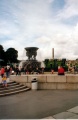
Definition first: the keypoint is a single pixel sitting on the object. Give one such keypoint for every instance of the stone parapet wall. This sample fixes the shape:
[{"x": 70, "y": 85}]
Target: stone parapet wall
[{"x": 49, "y": 81}]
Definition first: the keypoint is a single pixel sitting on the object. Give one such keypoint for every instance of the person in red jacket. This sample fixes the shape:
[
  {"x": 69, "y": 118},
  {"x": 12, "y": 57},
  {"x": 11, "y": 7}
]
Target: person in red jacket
[
  {"x": 61, "y": 70},
  {"x": 2, "y": 71}
]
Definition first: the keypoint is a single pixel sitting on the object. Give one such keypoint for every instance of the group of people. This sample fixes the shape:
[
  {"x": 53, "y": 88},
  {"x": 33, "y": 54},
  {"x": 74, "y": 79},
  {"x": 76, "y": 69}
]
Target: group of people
[
  {"x": 30, "y": 70},
  {"x": 73, "y": 69},
  {"x": 5, "y": 73},
  {"x": 18, "y": 70}
]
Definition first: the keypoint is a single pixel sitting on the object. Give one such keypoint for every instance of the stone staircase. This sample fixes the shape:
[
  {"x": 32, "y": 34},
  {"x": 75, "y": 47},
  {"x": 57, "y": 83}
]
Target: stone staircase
[{"x": 12, "y": 88}]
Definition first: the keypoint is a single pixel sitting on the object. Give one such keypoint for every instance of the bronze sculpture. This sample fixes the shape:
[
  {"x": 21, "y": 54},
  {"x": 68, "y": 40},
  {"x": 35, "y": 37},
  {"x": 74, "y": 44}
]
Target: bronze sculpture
[{"x": 31, "y": 62}]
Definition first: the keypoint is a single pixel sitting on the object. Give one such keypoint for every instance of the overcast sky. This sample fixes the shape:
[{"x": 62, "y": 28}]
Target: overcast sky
[{"x": 45, "y": 24}]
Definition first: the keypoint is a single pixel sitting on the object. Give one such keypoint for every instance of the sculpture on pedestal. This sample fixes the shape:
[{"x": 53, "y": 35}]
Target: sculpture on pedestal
[{"x": 31, "y": 53}]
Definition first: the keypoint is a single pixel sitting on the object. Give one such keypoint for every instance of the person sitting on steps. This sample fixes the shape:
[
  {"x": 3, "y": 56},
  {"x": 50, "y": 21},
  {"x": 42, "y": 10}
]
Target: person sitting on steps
[{"x": 4, "y": 81}]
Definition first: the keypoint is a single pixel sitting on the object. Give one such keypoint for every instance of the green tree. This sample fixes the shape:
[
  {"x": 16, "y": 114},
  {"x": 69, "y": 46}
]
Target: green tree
[
  {"x": 46, "y": 61},
  {"x": 2, "y": 52},
  {"x": 12, "y": 55},
  {"x": 2, "y": 56},
  {"x": 55, "y": 64},
  {"x": 63, "y": 62}
]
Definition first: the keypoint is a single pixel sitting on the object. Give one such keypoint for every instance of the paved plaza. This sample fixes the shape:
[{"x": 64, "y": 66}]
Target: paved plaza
[{"x": 40, "y": 104}]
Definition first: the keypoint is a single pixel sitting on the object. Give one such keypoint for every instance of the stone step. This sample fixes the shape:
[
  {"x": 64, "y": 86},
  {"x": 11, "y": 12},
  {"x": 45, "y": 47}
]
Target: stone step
[
  {"x": 10, "y": 87},
  {"x": 5, "y": 90},
  {"x": 14, "y": 92},
  {"x": 10, "y": 84}
]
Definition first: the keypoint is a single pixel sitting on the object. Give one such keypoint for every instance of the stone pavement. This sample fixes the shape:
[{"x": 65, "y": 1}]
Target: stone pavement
[
  {"x": 40, "y": 104},
  {"x": 69, "y": 114}
]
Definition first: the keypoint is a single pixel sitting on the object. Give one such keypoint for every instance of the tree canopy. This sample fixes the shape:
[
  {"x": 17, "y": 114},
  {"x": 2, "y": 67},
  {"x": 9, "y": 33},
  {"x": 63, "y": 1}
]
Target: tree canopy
[
  {"x": 2, "y": 52},
  {"x": 8, "y": 56},
  {"x": 12, "y": 55}
]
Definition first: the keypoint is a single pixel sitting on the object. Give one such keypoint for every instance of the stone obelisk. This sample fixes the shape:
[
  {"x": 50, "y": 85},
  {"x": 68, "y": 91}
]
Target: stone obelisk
[{"x": 53, "y": 53}]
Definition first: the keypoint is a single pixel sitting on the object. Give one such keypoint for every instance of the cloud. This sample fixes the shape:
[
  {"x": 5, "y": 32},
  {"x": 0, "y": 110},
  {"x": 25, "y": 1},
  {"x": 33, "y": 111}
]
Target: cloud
[
  {"x": 27, "y": 23},
  {"x": 70, "y": 9},
  {"x": 43, "y": 40}
]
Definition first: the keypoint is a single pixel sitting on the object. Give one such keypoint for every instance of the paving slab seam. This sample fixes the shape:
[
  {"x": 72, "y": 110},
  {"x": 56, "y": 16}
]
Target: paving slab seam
[{"x": 68, "y": 114}]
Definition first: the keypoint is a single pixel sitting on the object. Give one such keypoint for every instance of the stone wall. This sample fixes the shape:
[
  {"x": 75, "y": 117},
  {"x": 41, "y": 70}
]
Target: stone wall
[{"x": 49, "y": 81}]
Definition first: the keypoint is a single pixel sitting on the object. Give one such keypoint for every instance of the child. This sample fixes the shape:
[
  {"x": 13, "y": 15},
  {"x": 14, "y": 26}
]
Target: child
[{"x": 4, "y": 81}]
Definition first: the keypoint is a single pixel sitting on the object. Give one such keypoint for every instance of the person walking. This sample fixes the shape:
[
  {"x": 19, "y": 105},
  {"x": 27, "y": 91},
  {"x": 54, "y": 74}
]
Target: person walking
[
  {"x": 17, "y": 70},
  {"x": 7, "y": 70},
  {"x": 20, "y": 70}
]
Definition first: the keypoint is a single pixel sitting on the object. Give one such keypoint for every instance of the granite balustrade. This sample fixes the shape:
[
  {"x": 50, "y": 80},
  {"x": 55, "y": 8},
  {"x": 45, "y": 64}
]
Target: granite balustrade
[{"x": 52, "y": 81}]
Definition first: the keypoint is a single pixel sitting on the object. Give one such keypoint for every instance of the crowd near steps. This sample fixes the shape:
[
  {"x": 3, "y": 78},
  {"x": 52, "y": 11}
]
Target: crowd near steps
[{"x": 12, "y": 88}]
